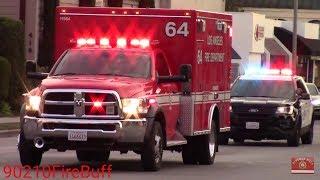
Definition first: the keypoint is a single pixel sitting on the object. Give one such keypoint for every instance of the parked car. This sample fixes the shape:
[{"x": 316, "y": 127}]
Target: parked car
[{"x": 315, "y": 96}]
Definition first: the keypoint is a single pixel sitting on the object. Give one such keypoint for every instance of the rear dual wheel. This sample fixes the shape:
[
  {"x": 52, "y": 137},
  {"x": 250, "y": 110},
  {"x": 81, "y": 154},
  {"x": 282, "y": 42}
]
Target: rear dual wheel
[{"x": 201, "y": 149}]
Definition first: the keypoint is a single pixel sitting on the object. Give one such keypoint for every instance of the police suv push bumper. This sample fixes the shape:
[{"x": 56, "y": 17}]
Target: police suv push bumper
[{"x": 125, "y": 131}]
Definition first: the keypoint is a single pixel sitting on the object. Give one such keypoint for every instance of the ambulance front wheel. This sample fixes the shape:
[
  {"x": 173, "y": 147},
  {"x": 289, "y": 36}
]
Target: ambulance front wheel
[{"x": 151, "y": 155}]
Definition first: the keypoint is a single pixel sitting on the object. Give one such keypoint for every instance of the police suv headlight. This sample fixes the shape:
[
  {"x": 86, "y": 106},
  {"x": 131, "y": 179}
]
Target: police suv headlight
[
  {"x": 33, "y": 103},
  {"x": 285, "y": 110}
]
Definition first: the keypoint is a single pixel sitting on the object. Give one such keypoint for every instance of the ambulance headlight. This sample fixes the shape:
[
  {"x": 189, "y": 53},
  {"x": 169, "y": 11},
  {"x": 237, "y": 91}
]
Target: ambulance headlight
[
  {"x": 33, "y": 103},
  {"x": 285, "y": 110},
  {"x": 135, "y": 106}
]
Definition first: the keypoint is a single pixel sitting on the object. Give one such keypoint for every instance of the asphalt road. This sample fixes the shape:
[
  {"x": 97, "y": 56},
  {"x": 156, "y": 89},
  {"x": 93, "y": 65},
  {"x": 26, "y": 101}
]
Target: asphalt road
[{"x": 253, "y": 160}]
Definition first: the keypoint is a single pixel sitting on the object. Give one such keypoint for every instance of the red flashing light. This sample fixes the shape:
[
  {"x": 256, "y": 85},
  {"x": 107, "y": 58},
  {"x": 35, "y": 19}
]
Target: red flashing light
[
  {"x": 91, "y": 42},
  {"x": 144, "y": 43},
  {"x": 81, "y": 42},
  {"x": 97, "y": 104},
  {"x": 287, "y": 72},
  {"x": 135, "y": 42},
  {"x": 121, "y": 43},
  {"x": 104, "y": 42}
]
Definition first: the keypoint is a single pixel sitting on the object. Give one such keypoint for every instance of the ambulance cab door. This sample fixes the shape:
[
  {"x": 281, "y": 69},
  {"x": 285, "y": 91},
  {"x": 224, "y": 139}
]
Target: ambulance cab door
[{"x": 168, "y": 93}]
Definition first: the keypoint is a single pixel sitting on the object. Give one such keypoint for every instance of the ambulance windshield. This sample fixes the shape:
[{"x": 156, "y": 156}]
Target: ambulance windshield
[
  {"x": 263, "y": 88},
  {"x": 112, "y": 62}
]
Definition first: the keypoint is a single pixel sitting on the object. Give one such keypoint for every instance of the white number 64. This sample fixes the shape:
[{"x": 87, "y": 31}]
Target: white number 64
[{"x": 172, "y": 31}]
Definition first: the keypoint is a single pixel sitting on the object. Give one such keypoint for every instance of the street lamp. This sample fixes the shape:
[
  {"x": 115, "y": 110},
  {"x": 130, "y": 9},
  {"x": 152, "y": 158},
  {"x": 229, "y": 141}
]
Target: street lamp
[{"x": 294, "y": 38}]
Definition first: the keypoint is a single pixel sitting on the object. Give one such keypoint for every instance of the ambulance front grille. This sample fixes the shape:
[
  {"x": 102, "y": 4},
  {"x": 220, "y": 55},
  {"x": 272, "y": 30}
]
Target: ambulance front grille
[{"x": 81, "y": 104}]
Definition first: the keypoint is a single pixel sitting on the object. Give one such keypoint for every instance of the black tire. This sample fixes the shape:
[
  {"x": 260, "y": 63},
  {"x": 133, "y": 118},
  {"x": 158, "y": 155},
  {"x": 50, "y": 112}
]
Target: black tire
[
  {"x": 238, "y": 140},
  {"x": 223, "y": 139},
  {"x": 308, "y": 137},
  {"x": 190, "y": 151},
  {"x": 90, "y": 155},
  {"x": 29, "y": 155},
  {"x": 151, "y": 155},
  {"x": 293, "y": 139},
  {"x": 208, "y": 146}
]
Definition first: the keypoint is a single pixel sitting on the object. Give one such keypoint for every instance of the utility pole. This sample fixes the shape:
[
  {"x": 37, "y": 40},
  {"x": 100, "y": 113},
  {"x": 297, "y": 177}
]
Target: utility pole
[{"x": 294, "y": 38}]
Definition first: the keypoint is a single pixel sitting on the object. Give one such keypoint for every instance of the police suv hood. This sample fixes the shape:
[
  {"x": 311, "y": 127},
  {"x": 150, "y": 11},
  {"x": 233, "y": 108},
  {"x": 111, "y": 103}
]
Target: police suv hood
[
  {"x": 261, "y": 100},
  {"x": 126, "y": 86}
]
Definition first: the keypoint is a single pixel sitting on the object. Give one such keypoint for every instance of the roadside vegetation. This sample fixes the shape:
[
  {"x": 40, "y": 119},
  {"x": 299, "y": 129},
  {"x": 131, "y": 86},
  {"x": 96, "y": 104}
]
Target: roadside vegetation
[{"x": 12, "y": 66}]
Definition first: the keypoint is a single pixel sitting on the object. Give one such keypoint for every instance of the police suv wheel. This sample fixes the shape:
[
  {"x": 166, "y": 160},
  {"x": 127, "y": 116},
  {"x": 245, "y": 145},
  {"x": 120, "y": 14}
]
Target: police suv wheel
[
  {"x": 293, "y": 139},
  {"x": 151, "y": 155},
  {"x": 208, "y": 145},
  {"x": 90, "y": 155},
  {"x": 308, "y": 137},
  {"x": 29, "y": 155},
  {"x": 238, "y": 140}
]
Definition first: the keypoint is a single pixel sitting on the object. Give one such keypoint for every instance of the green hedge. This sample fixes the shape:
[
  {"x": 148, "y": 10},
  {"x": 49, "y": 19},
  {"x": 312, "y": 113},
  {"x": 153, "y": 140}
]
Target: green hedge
[
  {"x": 5, "y": 73},
  {"x": 12, "y": 48}
]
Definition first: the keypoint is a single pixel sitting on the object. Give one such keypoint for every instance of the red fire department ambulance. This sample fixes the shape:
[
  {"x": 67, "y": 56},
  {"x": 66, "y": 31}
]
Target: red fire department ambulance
[{"x": 142, "y": 80}]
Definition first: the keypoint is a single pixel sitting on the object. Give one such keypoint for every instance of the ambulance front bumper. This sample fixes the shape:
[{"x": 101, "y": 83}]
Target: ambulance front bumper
[{"x": 115, "y": 131}]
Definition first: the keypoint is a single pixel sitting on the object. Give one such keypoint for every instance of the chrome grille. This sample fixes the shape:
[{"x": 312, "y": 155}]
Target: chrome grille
[{"x": 80, "y": 103}]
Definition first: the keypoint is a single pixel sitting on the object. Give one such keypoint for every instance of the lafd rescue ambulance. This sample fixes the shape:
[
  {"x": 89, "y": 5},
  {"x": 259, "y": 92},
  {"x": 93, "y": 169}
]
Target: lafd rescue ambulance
[{"x": 142, "y": 80}]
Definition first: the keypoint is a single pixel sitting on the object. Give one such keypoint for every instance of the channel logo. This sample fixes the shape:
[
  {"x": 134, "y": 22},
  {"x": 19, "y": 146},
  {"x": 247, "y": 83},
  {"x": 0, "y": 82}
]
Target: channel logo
[{"x": 303, "y": 165}]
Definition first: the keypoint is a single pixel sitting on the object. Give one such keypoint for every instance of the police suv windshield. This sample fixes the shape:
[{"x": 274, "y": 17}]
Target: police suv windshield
[
  {"x": 113, "y": 62},
  {"x": 263, "y": 88}
]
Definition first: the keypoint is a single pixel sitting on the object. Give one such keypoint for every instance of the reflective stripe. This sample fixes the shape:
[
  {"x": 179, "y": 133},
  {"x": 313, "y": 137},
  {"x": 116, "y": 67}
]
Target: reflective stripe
[
  {"x": 225, "y": 129},
  {"x": 199, "y": 97}
]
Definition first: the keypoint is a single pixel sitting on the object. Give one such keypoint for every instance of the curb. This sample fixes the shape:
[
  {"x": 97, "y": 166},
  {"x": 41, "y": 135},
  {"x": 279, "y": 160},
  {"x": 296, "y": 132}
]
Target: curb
[{"x": 9, "y": 133}]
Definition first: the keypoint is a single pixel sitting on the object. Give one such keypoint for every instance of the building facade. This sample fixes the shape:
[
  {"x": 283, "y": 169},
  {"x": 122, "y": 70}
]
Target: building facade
[
  {"x": 309, "y": 10},
  {"x": 206, "y": 5}
]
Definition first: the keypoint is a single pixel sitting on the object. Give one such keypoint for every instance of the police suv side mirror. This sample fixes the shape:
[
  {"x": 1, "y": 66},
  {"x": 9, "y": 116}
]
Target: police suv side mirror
[{"x": 31, "y": 71}]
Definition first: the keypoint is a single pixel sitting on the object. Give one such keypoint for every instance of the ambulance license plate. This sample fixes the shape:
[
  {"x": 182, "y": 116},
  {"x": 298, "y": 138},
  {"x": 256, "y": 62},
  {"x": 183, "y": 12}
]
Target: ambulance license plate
[
  {"x": 77, "y": 136},
  {"x": 252, "y": 125}
]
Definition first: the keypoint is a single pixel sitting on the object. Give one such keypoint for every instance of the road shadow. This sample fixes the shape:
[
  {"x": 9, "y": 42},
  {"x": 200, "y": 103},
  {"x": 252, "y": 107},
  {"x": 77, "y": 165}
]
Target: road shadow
[
  {"x": 261, "y": 144},
  {"x": 117, "y": 165}
]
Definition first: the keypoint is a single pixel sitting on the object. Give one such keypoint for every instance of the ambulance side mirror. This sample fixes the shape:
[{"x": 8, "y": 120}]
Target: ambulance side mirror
[
  {"x": 185, "y": 75},
  {"x": 31, "y": 68},
  {"x": 186, "y": 71}
]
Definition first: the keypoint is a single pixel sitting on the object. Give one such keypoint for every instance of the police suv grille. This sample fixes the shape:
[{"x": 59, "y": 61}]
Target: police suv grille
[{"x": 81, "y": 104}]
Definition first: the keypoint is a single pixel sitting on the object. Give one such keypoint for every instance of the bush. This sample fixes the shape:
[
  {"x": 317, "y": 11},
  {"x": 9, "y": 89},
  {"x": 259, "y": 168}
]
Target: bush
[
  {"x": 5, "y": 73},
  {"x": 5, "y": 109},
  {"x": 12, "y": 48}
]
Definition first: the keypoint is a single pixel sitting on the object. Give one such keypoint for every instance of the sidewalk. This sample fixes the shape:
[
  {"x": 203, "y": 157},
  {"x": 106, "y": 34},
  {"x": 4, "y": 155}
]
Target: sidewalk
[
  {"x": 9, "y": 120},
  {"x": 9, "y": 126}
]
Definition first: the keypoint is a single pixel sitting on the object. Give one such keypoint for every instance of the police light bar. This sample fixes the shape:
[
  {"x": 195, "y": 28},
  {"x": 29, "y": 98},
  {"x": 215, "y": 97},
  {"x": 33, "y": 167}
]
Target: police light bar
[{"x": 285, "y": 72}]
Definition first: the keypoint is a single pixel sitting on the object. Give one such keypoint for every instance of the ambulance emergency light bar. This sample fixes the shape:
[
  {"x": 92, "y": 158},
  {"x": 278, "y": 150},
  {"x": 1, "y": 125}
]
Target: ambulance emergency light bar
[
  {"x": 120, "y": 43},
  {"x": 257, "y": 71}
]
